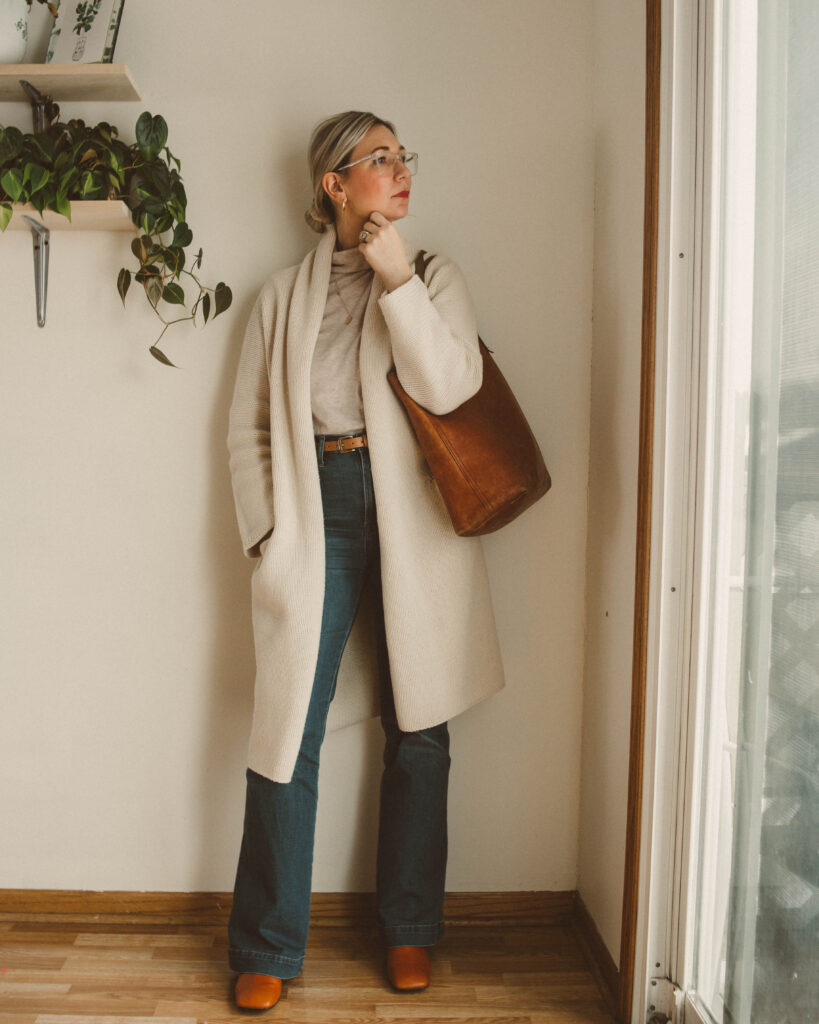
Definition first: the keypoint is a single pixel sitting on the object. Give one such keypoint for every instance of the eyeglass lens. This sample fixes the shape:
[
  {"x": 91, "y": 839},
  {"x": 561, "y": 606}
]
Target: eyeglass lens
[{"x": 385, "y": 162}]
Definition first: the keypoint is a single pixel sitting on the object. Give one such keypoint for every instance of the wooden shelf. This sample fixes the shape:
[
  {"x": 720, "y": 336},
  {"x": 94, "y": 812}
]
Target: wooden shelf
[
  {"x": 69, "y": 81},
  {"x": 86, "y": 215}
]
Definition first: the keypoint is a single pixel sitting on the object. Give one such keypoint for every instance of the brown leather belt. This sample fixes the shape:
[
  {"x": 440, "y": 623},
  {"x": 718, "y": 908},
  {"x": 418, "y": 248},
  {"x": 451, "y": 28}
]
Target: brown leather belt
[{"x": 346, "y": 444}]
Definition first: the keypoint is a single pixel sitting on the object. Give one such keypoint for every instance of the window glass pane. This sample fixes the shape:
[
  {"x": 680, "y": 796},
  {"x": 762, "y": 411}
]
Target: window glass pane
[
  {"x": 779, "y": 972},
  {"x": 757, "y": 946}
]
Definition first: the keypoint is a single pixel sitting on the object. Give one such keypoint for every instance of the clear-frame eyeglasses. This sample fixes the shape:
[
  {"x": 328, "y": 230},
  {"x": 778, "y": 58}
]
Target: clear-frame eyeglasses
[{"x": 384, "y": 163}]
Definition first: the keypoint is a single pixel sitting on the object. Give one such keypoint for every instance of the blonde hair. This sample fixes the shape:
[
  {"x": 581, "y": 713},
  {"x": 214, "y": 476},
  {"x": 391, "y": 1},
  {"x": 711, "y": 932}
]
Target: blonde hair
[{"x": 331, "y": 146}]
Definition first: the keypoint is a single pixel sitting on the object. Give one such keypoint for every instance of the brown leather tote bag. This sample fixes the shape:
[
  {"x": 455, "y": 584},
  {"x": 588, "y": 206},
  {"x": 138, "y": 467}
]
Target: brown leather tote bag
[{"x": 483, "y": 455}]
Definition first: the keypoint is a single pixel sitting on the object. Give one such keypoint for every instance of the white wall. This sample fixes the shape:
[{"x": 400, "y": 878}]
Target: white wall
[
  {"x": 126, "y": 660},
  {"x": 619, "y": 106}
]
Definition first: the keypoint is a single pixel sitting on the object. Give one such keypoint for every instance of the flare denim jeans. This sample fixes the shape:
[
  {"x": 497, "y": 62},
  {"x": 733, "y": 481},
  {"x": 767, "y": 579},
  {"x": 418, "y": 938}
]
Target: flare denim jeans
[{"x": 271, "y": 902}]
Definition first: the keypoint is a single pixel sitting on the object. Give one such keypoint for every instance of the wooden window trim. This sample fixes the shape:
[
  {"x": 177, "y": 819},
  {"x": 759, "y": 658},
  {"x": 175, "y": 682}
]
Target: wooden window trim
[{"x": 644, "y": 498}]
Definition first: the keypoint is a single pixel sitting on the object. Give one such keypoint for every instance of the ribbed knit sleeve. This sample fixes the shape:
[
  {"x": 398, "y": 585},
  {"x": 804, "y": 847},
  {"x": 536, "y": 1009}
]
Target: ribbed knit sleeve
[
  {"x": 434, "y": 338},
  {"x": 249, "y": 435}
]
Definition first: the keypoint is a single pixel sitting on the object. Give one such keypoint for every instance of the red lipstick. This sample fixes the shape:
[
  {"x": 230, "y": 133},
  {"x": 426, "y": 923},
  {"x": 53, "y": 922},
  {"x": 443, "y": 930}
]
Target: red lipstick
[{"x": 402, "y": 195}]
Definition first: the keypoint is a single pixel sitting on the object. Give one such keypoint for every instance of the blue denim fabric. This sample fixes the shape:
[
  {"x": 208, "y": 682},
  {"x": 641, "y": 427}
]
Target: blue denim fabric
[{"x": 271, "y": 903}]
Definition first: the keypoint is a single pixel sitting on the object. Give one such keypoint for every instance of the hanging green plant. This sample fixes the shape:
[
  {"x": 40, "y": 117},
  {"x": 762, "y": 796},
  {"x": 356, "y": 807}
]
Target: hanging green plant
[{"x": 74, "y": 161}]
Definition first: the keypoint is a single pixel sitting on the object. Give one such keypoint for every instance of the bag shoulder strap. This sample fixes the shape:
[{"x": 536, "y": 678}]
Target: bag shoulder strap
[{"x": 422, "y": 261}]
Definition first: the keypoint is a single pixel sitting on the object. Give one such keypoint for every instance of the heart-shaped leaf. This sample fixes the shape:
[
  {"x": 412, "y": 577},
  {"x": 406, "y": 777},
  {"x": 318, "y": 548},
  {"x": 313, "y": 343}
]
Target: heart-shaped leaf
[
  {"x": 63, "y": 206},
  {"x": 39, "y": 203},
  {"x": 11, "y": 144},
  {"x": 152, "y": 134},
  {"x": 153, "y": 289},
  {"x": 141, "y": 247},
  {"x": 180, "y": 197},
  {"x": 182, "y": 235},
  {"x": 12, "y": 182},
  {"x": 123, "y": 283},
  {"x": 37, "y": 178},
  {"x": 223, "y": 297},
  {"x": 173, "y": 293}
]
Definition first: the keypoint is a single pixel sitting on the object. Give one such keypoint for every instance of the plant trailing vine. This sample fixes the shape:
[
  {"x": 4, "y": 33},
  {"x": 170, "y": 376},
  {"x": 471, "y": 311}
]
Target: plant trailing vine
[{"x": 74, "y": 161}]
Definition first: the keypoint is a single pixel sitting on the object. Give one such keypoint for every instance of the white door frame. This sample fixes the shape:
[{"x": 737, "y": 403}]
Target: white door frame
[
  {"x": 683, "y": 539},
  {"x": 675, "y": 589}
]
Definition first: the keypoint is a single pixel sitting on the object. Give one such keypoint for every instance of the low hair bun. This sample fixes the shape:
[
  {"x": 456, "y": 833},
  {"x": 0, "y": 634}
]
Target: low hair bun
[{"x": 316, "y": 219}]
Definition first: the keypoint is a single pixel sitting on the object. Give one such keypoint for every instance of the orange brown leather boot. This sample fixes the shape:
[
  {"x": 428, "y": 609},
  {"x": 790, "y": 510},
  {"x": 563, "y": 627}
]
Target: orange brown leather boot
[
  {"x": 257, "y": 991},
  {"x": 408, "y": 968}
]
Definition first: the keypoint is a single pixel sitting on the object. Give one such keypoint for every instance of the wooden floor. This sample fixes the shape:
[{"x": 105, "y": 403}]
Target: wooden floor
[{"x": 87, "y": 970}]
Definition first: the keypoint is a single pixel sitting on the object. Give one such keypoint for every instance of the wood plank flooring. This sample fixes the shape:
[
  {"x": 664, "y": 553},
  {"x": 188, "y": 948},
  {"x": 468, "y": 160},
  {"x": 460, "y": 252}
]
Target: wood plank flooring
[{"x": 85, "y": 970}]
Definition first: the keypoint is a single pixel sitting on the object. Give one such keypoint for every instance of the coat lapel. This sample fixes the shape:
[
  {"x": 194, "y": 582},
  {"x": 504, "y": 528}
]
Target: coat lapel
[{"x": 303, "y": 325}]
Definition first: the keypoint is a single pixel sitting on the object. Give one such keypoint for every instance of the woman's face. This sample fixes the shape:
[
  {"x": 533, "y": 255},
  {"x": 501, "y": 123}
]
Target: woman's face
[{"x": 369, "y": 192}]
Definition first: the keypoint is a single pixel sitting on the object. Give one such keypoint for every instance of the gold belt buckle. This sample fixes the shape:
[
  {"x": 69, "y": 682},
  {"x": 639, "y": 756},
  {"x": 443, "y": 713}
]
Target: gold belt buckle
[{"x": 340, "y": 441}]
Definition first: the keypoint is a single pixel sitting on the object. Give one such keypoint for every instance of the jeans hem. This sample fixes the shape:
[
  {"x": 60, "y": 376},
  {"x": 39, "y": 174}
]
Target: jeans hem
[
  {"x": 248, "y": 962},
  {"x": 412, "y": 934}
]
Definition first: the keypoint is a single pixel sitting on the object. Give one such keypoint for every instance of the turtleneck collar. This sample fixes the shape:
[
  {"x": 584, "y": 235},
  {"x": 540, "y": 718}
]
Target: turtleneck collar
[{"x": 350, "y": 259}]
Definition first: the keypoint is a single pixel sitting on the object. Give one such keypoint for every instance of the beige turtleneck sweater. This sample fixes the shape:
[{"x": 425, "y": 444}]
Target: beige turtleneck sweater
[{"x": 335, "y": 380}]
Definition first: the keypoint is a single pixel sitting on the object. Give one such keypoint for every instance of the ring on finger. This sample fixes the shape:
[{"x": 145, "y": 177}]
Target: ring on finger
[{"x": 364, "y": 236}]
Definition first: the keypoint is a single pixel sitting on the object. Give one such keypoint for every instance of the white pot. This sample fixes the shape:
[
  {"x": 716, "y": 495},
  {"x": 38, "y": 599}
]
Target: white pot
[{"x": 13, "y": 31}]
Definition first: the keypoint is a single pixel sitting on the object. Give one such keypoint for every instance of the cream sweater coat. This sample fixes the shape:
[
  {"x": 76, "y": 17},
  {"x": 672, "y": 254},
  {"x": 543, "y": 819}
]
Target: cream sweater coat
[{"x": 441, "y": 637}]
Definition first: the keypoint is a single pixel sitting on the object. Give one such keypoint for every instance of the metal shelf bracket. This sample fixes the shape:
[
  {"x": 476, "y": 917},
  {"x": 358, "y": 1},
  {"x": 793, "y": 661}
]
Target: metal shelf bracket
[
  {"x": 41, "y": 239},
  {"x": 38, "y": 105}
]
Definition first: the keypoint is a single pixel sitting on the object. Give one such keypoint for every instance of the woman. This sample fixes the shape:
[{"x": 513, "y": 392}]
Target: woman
[{"x": 335, "y": 500}]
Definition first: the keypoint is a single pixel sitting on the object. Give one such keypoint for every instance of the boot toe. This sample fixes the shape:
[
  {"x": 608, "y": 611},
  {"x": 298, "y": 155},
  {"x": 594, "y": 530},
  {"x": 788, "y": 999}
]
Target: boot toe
[
  {"x": 257, "y": 991},
  {"x": 408, "y": 968}
]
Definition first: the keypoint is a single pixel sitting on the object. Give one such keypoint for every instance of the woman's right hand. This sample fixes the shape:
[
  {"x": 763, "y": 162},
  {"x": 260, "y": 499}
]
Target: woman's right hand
[{"x": 384, "y": 251}]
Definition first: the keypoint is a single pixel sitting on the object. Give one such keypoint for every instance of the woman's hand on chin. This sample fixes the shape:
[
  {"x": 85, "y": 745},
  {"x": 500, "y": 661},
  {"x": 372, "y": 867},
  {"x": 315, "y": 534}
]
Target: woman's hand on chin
[{"x": 383, "y": 249}]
